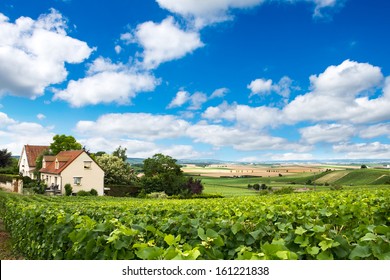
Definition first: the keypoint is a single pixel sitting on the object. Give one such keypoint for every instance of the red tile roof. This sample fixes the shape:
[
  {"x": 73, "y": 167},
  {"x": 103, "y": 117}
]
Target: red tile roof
[
  {"x": 33, "y": 152},
  {"x": 64, "y": 159}
]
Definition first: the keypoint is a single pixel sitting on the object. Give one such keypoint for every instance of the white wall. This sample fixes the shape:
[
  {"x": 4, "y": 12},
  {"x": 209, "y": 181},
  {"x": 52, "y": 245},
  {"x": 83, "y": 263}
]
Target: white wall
[{"x": 92, "y": 178}]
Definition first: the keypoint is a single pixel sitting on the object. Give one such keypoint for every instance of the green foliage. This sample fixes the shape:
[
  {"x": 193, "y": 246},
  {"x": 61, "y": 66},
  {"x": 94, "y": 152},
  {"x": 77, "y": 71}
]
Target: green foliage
[
  {"x": 7, "y": 178},
  {"x": 5, "y": 158},
  {"x": 93, "y": 192},
  {"x": 284, "y": 190},
  {"x": 352, "y": 224},
  {"x": 122, "y": 190},
  {"x": 68, "y": 190},
  {"x": 83, "y": 193},
  {"x": 120, "y": 153},
  {"x": 11, "y": 168},
  {"x": 162, "y": 174},
  {"x": 363, "y": 166},
  {"x": 64, "y": 143},
  {"x": 116, "y": 171}
]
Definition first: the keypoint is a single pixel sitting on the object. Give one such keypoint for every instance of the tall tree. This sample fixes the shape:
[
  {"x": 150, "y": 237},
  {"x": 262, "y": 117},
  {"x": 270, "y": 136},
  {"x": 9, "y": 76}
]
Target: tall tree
[
  {"x": 116, "y": 171},
  {"x": 5, "y": 158},
  {"x": 162, "y": 174},
  {"x": 120, "y": 153},
  {"x": 64, "y": 143}
]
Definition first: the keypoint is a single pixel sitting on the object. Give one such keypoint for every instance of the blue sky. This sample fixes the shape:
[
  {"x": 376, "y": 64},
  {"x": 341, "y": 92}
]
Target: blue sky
[{"x": 250, "y": 80}]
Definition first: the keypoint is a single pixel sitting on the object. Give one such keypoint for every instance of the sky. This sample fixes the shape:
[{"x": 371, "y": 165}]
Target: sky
[{"x": 234, "y": 80}]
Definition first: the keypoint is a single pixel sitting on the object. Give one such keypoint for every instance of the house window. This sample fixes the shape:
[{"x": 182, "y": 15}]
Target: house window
[
  {"x": 77, "y": 181},
  {"x": 57, "y": 164},
  {"x": 87, "y": 164}
]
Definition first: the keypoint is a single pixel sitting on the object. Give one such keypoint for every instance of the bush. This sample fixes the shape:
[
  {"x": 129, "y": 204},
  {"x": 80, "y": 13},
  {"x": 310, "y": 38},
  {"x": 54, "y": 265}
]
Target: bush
[
  {"x": 93, "y": 192},
  {"x": 7, "y": 178},
  {"x": 68, "y": 190},
  {"x": 193, "y": 186},
  {"x": 38, "y": 187},
  {"x": 263, "y": 186},
  {"x": 123, "y": 190},
  {"x": 284, "y": 190},
  {"x": 336, "y": 187},
  {"x": 158, "y": 195},
  {"x": 83, "y": 193},
  {"x": 256, "y": 187}
]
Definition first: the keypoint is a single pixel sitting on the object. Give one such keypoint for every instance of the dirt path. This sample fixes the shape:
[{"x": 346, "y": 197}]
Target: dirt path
[{"x": 6, "y": 252}]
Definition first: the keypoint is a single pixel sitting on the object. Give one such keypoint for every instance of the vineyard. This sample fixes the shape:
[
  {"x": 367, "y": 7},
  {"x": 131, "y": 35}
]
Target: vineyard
[{"x": 348, "y": 224}]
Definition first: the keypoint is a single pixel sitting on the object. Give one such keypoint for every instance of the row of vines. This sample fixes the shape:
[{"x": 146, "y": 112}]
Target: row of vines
[{"x": 323, "y": 225}]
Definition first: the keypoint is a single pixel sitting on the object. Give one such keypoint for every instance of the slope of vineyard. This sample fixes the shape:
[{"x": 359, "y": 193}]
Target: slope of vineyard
[
  {"x": 356, "y": 177},
  {"x": 350, "y": 224}
]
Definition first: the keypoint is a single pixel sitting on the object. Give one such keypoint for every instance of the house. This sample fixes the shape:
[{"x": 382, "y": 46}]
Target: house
[
  {"x": 76, "y": 168},
  {"x": 28, "y": 158}
]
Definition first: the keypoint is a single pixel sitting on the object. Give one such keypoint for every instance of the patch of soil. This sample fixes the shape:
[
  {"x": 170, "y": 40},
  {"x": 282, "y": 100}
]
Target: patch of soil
[{"x": 6, "y": 251}]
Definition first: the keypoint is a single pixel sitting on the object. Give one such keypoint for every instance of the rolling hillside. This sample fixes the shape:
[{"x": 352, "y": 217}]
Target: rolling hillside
[{"x": 356, "y": 177}]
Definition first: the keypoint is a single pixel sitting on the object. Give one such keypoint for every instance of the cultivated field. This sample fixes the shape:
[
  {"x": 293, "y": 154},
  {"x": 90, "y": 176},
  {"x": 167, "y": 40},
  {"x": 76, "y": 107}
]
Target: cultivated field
[{"x": 233, "y": 170}]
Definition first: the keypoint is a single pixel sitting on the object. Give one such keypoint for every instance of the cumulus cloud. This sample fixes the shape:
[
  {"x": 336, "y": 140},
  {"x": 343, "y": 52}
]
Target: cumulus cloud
[
  {"x": 195, "y": 100},
  {"x": 238, "y": 138},
  {"x": 163, "y": 41},
  {"x": 219, "y": 93},
  {"x": 341, "y": 93},
  {"x": 264, "y": 87},
  {"x": 330, "y": 133},
  {"x": 22, "y": 133},
  {"x": 382, "y": 129},
  {"x": 36, "y": 50},
  {"x": 107, "y": 82},
  {"x": 204, "y": 12},
  {"x": 135, "y": 126},
  {"x": 375, "y": 150},
  {"x": 260, "y": 86},
  {"x": 244, "y": 115}
]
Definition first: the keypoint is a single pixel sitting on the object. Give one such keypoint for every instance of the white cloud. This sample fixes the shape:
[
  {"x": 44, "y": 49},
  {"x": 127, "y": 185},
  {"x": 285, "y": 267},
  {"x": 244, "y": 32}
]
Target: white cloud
[
  {"x": 260, "y": 86},
  {"x": 36, "y": 50},
  {"x": 340, "y": 93},
  {"x": 264, "y": 87},
  {"x": 14, "y": 134},
  {"x": 107, "y": 82},
  {"x": 330, "y": 133},
  {"x": 195, "y": 100},
  {"x": 134, "y": 126},
  {"x": 41, "y": 116},
  {"x": 118, "y": 49},
  {"x": 204, "y": 12},
  {"x": 163, "y": 41},
  {"x": 244, "y": 115},
  {"x": 375, "y": 150},
  {"x": 238, "y": 138},
  {"x": 180, "y": 99},
  {"x": 375, "y": 131},
  {"x": 292, "y": 156},
  {"x": 219, "y": 93}
]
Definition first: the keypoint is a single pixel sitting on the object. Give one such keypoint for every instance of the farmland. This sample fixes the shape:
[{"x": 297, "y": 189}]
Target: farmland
[{"x": 233, "y": 182}]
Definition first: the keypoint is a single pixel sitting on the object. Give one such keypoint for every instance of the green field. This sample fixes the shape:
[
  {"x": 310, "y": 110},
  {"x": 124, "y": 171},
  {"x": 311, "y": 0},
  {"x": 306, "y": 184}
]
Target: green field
[{"x": 345, "y": 178}]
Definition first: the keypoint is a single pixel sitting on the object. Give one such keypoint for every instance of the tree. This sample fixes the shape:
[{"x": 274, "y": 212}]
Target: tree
[
  {"x": 363, "y": 166},
  {"x": 64, "y": 143},
  {"x": 162, "y": 174},
  {"x": 5, "y": 158},
  {"x": 116, "y": 171},
  {"x": 120, "y": 153}
]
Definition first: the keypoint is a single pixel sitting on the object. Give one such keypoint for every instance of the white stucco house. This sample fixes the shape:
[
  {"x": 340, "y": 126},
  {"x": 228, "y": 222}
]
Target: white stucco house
[
  {"x": 28, "y": 157},
  {"x": 76, "y": 168}
]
